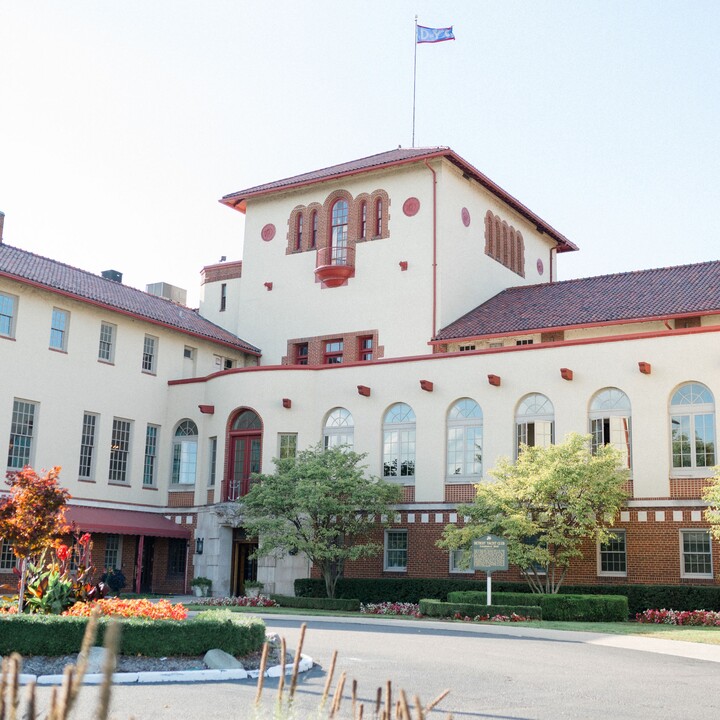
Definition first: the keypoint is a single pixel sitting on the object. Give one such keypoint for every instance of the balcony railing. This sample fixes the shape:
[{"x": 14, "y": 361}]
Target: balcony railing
[{"x": 335, "y": 265}]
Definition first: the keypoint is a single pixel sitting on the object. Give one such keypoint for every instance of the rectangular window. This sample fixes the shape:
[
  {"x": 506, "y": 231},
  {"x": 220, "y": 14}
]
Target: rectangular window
[
  {"x": 177, "y": 555},
  {"x": 119, "y": 450},
  {"x": 366, "y": 348},
  {"x": 396, "y": 548},
  {"x": 301, "y": 354},
  {"x": 113, "y": 555},
  {"x": 523, "y": 342},
  {"x": 333, "y": 352},
  {"x": 22, "y": 433},
  {"x": 466, "y": 348},
  {"x": 8, "y": 304},
  {"x": 149, "y": 356},
  {"x": 106, "y": 349},
  {"x": 58, "y": 329},
  {"x": 189, "y": 353},
  {"x": 7, "y": 557},
  {"x": 213, "y": 462},
  {"x": 87, "y": 446},
  {"x": 461, "y": 561},
  {"x": 223, "y": 297},
  {"x": 696, "y": 554},
  {"x": 287, "y": 443},
  {"x": 612, "y": 555},
  {"x": 150, "y": 460},
  {"x": 495, "y": 345}
]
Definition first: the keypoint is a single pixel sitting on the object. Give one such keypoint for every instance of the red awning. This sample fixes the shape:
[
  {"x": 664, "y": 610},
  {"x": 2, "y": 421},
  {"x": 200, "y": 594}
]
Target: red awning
[{"x": 123, "y": 522}]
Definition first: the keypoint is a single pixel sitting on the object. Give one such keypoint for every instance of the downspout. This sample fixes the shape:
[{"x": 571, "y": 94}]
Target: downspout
[{"x": 434, "y": 262}]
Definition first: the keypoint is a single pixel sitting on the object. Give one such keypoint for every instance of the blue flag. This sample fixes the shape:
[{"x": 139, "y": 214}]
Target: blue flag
[{"x": 433, "y": 35}]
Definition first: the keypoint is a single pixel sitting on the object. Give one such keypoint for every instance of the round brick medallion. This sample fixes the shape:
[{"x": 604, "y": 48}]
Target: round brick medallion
[
  {"x": 268, "y": 232},
  {"x": 465, "y": 214},
  {"x": 411, "y": 206},
  {"x": 540, "y": 266}
]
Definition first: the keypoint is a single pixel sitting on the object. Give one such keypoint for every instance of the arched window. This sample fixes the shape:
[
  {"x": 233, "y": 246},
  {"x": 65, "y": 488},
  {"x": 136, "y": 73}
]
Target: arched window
[
  {"x": 692, "y": 427},
  {"x": 339, "y": 232},
  {"x": 245, "y": 443},
  {"x": 313, "y": 237},
  {"x": 339, "y": 429},
  {"x": 399, "y": 443},
  {"x": 363, "y": 220},
  {"x": 534, "y": 422},
  {"x": 610, "y": 421},
  {"x": 184, "y": 457},
  {"x": 464, "y": 440},
  {"x": 378, "y": 217},
  {"x": 299, "y": 232}
]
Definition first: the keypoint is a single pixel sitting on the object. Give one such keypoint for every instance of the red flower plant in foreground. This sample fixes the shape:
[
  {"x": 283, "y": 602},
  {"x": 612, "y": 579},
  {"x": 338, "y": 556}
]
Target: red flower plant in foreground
[{"x": 118, "y": 607}]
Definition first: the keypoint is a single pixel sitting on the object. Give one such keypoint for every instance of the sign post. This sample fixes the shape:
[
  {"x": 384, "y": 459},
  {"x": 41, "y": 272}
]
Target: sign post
[{"x": 489, "y": 553}]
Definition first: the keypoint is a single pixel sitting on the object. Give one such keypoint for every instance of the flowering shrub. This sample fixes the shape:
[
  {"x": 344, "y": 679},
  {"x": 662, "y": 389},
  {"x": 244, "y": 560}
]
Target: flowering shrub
[
  {"x": 242, "y": 601},
  {"x": 495, "y": 618},
  {"x": 119, "y": 607},
  {"x": 706, "y": 618},
  {"x": 9, "y": 610},
  {"x": 391, "y": 608}
]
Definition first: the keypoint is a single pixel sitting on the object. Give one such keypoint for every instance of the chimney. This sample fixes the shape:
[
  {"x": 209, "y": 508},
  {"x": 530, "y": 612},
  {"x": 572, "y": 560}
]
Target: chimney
[
  {"x": 2, "y": 222},
  {"x": 113, "y": 275}
]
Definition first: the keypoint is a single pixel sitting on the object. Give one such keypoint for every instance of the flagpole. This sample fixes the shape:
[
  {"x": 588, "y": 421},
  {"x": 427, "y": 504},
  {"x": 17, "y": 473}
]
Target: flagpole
[{"x": 414, "y": 80}]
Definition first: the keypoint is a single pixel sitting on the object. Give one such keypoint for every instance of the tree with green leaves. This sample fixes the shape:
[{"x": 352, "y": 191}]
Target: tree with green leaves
[
  {"x": 32, "y": 516},
  {"x": 322, "y": 504},
  {"x": 711, "y": 495},
  {"x": 546, "y": 505}
]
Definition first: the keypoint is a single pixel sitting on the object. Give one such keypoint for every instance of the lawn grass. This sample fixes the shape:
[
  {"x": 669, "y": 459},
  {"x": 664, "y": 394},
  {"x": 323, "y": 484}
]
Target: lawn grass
[{"x": 709, "y": 635}]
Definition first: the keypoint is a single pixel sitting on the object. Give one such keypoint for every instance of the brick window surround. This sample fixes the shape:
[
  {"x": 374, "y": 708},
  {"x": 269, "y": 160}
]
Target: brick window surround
[{"x": 312, "y": 350}]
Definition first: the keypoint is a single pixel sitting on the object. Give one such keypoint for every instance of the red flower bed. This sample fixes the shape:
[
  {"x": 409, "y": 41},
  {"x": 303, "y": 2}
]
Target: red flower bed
[
  {"x": 159, "y": 610},
  {"x": 703, "y": 618}
]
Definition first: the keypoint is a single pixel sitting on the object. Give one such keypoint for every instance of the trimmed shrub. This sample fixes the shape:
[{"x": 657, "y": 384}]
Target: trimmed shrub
[
  {"x": 437, "y": 608},
  {"x": 57, "y": 635},
  {"x": 640, "y": 597},
  {"x": 584, "y": 608},
  {"x": 317, "y": 603}
]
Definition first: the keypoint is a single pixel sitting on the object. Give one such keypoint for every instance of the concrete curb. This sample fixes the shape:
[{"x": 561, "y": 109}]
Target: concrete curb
[{"x": 179, "y": 676}]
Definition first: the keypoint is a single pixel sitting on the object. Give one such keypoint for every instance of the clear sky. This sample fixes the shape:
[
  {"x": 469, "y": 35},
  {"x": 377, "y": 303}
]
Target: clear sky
[{"x": 122, "y": 123}]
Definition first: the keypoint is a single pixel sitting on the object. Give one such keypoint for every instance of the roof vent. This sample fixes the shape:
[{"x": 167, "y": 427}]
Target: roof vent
[
  {"x": 167, "y": 291},
  {"x": 113, "y": 275}
]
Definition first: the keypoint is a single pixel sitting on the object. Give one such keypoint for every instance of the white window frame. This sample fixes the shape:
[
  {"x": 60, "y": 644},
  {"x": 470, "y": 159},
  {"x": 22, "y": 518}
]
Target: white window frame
[
  {"x": 698, "y": 576},
  {"x": 150, "y": 455},
  {"x": 88, "y": 445},
  {"x": 183, "y": 464},
  {"x": 601, "y": 550},
  {"x": 692, "y": 412},
  {"x": 149, "y": 354},
  {"x": 106, "y": 346},
  {"x": 455, "y": 561},
  {"x": 8, "y": 561},
  {"x": 611, "y": 406},
  {"x": 111, "y": 538},
  {"x": 23, "y": 427},
  {"x": 339, "y": 429},
  {"x": 212, "y": 460},
  {"x": 8, "y": 314},
  {"x": 387, "y": 550},
  {"x": 399, "y": 435},
  {"x": 464, "y": 417},
  {"x": 531, "y": 410},
  {"x": 59, "y": 329},
  {"x": 287, "y": 445},
  {"x": 120, "y": 448}
]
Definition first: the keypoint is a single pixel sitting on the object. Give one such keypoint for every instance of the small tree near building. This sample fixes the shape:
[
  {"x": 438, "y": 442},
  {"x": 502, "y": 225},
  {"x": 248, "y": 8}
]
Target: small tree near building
[
  {"x": 711, "y": 495},
  {"x": 320, "y": 503},
  {"x": 32, "y": 516},
  {"x": 546, "y": 505}
]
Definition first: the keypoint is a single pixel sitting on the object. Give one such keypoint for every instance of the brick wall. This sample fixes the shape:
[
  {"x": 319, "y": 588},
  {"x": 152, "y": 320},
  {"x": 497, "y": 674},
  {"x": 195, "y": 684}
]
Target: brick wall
[{"x": 221, "y": 271}]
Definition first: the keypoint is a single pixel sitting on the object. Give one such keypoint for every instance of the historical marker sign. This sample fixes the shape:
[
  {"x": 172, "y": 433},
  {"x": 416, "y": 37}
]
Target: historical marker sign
[{"x": 489, "y": 553}]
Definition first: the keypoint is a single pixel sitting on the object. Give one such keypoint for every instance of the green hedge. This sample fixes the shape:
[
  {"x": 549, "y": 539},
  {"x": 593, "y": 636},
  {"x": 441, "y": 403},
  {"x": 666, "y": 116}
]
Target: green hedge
[
  {"x": 640, "y": 597},
  {"x": 585, "y": 608},
  {"x": 437, "y": 608},
  {"x": 317, "y": 603},
  {"x": 57, "y": 635}
]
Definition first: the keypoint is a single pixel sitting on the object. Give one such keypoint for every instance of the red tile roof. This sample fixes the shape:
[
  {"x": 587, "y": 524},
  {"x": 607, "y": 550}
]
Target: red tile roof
[
  {"x": 643, "y": 294},
  {"x": 57, "y": 277},
  {"x": 400, "y": 156}
]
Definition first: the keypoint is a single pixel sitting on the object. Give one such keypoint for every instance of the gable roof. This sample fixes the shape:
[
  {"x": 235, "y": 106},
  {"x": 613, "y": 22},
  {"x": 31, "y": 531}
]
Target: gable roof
[
  {"x": 81, "y": 285},
  {"x": 624, "y": 297},
  {"x": 399, "y": 156}
]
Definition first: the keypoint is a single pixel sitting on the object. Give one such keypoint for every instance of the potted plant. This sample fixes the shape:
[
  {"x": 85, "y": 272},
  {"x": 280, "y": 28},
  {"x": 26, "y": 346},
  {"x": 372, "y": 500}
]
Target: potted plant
[
  {"x": 252, "y": 588},
  {"x": 201, "y": 585}
]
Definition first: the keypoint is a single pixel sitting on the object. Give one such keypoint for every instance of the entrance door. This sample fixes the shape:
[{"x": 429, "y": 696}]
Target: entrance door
[
  {"x": 245, "y": 448},
  {"x": 244, "y": 567},
  {"x": 148, "y": 555}
]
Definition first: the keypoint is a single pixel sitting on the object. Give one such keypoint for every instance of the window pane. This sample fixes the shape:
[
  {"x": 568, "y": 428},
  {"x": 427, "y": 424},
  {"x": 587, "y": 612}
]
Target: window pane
[
  {"x": 21, "y": 434},
  {"x": 697, "y": 559},
  {"x": 613, "y": 556},
  {"x": 119, "y": 450},
  {"x": 87, "y": 445},
  {"x": 150, "y": 455}
]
